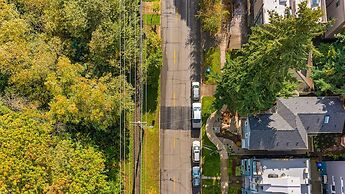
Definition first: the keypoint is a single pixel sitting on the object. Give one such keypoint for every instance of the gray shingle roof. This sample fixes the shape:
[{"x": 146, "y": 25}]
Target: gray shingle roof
[{"x": 293, "y": 119}]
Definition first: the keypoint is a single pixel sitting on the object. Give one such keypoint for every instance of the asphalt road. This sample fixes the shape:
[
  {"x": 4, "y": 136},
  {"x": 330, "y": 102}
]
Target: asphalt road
[{"x": 181, "y": 62}]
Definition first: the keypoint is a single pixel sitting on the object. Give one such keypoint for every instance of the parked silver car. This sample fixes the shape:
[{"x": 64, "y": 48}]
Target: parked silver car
[
  {"x": 196, "y": 91},
  {"x": 196, "y": 151},
  {"x": 196, "y": 115}
]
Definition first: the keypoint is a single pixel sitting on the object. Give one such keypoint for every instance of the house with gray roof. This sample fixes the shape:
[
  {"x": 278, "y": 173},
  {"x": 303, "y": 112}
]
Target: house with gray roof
[{"x": 288, "y": 124}]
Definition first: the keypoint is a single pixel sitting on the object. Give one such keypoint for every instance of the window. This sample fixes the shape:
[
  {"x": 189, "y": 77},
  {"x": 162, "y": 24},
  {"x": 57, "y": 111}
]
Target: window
[
  {"x": 282, "y": 2},
  {"x": 333, "y": 188},
  {"x": 326, "y": 120},
  {"x": 315, "y": 3},
  {"x": 342, "y": 185}
]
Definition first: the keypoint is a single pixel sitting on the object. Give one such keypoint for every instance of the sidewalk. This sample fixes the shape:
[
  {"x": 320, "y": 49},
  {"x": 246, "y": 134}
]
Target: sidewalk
[{"x": 224, "y": 176}]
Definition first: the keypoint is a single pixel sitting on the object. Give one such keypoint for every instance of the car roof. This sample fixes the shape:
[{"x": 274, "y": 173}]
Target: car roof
[
  {"x": 196, "y": 105},
  {"x": 195, "y": 168},
  {"x": 197, "y": 156},
  {"x": 196, "y": 143},
  {"x": 197, "y": 114},
  {"x": 195, "y": 83}
]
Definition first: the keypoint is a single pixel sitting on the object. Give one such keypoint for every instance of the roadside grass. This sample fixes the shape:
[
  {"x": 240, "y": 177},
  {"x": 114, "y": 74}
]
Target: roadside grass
[
  {"x": 207, "y": 107},
  {"x": 151, "y": 19},
  {"x": 150, "y": 161},
  {"x": 212, "y": 61},
  {"x": 151, "y": 0},
  {"x": 211, "y": 186}
]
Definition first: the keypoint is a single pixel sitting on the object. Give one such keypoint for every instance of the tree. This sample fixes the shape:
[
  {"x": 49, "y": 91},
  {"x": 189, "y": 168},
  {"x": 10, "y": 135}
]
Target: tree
[
  {"x": 212, "y": 14},
  {"x": 34, "y": 161},
  {"x": 252, "y": 81},
  {"x": 329, "y": 69},
  {"x": 78, "y": 100}
]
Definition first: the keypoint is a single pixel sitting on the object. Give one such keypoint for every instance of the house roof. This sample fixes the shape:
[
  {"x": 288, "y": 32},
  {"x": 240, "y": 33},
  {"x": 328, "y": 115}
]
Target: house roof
[{"x": 292, "y": 120}]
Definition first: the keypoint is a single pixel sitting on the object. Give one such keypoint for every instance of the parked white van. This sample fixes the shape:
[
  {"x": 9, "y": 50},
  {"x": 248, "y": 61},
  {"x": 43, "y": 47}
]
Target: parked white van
[{"x": 196, "y": 115}]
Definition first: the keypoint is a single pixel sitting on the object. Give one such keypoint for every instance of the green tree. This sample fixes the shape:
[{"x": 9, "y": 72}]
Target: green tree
[
  {"x": 212, "y": 14},
  {"x": 329, "y": 69},
  {"x": 78, "y": 100},
  {"x": 252, "y": 81},
  {"x": 34, "y": 161}
]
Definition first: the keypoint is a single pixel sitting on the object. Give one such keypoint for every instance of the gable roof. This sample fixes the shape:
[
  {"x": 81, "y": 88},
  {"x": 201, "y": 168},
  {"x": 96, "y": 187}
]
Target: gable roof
[{"x": 292, "y": 120}]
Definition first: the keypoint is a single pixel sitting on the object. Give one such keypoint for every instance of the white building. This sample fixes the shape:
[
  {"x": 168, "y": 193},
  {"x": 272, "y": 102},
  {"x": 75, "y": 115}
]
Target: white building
[
  {"x": 290, "y": 176},
  {"x": 336, "y": 12},
  {"x": 262, "y": 8}
]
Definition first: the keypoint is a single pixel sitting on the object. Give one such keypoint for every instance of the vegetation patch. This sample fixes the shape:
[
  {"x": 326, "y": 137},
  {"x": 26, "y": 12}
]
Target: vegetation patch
[
  {"x": 211, "y": 65},
  {"x": 152, "y": 19},
  {"x": 210, "y": 157},
  {"x": 207, "y": 107},
  {"x": 152, "y": 66},
  {"x": 211, "y": 186}
]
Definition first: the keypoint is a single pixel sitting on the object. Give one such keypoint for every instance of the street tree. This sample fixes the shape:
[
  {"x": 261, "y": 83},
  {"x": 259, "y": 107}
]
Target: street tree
[{"x": 252, "y": 81}]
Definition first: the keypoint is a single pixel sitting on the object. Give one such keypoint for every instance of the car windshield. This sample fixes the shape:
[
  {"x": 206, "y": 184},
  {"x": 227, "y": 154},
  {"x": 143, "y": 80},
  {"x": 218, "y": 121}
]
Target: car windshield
[
  {"x": 196, "y": 181},
  {"x": 196, "y": 120},
  {"x": 196, "y": 109},
  {"x": 195, "y": 172}
]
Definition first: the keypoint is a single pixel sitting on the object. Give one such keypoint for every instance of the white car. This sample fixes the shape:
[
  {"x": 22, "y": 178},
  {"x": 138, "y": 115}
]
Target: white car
[
  {"x": 196, "y": 115},
  {"x": 195, "y": 91},
  {"x": 196, "y": 151}
]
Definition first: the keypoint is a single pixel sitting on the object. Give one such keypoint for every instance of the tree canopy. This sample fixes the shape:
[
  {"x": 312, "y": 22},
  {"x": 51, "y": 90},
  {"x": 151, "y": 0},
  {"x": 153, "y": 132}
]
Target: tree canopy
[
  {"x": 67, "y": 62},
  {"x": 212, "y": 14},
  {"x": 253, "y": 79},
  {"x": 329, "y": 67},
  {"x": 34, "y": 161}
]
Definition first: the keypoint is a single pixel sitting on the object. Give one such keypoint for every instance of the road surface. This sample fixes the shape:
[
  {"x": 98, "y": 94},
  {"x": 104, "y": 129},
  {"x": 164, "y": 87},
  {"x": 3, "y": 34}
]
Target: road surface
[{"x": 180, "y": 66}]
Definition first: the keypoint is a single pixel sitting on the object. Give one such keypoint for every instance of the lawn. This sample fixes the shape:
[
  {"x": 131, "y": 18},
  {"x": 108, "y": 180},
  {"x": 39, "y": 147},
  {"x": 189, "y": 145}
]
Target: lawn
[
  {"x": 237, "y": 169},
  {"x": 152, "y": 19},
  {"x": 211, "y": 187},
  {"x": 210, "y": 156},
  {"x": 234, "y": 190},
  {"x": 212, "y": 61},
  {"x": 207, "y": 107}
]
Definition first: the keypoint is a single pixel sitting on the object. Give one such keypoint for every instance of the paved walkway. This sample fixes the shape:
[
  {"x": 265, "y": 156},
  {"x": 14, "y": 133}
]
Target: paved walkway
[
  {"x": 211, "y": 177},
  {"x": 207, "y": 89},
  {"x": 224, "y": 176}
]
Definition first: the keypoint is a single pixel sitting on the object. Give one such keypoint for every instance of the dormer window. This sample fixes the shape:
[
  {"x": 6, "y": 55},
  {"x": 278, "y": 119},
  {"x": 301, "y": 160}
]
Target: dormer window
[
  {"x": 282, "y": 2},
  {"x": 326, "y": 120}
]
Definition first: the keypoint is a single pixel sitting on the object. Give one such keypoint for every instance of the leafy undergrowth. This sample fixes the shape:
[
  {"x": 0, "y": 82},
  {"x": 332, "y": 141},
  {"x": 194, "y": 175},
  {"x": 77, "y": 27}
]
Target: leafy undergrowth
[{"x": 212, "y": 61}]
